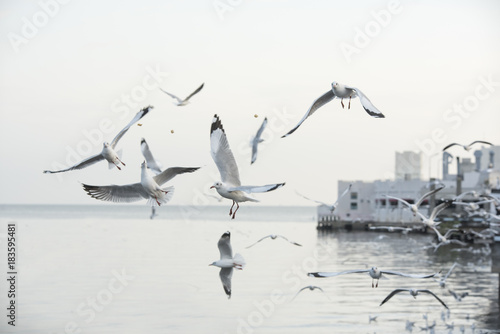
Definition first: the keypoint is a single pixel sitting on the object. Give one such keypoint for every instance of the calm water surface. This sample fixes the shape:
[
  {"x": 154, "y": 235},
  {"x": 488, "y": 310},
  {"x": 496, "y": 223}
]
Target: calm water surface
[{"x": 110, "y": 269}]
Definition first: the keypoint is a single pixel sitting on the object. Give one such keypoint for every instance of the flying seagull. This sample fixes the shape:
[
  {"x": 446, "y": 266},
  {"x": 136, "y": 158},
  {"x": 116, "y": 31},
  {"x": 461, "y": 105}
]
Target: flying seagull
[
  {"x": 256, "y": 140},
  {"x": 108, "y": 151},
  {"x": 227, "y": 262},
  {"x": 458, "y": 297},
  {"x": 310, "y": 287},
  {"x": 430, "y": 222},
  {"x": 467, "y": 147},
  {"x": 153, "y": 165},
  {"x": 184, "y": 102},
  {"x": 374, "y": 273},
  {"x": 333, "y": 206},
  {"x": 414, "y": 207},
  {"x": 231, "y": 187},
  {"x": 149, "y": 188},
  {"x": 445, "y": 239},
  {"x": 274, "y": 236},
  {"x": 342, "y": 92},
  {"x": 414, "y": 293},
  {"x": 442, "y": 280}
]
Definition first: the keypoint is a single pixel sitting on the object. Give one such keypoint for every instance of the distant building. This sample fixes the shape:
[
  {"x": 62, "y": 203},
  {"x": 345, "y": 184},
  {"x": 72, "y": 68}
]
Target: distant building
[{"x": 409, "y": 165}]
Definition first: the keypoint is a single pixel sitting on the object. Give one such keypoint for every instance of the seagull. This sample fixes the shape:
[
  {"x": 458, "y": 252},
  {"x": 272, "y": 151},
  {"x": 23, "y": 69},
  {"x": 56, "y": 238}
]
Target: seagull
[
  {"x": 227, "y": 262},
  {"x": 374, "y": 273},
  {"x": 458, "y": 297},
  {"x": 108, "y": 151},
  {"x": 430, "y": 222},
  {"x": 472, "y": 206},
  {"x": 274, "y": 236},
  {"x": 413, "y": 292},
  {"x": 310, "y": 287},
  {"x": 181, "y": 102},
  {"x": 333, "y": 206},
  {"x": 444, "y": 239},
  {"x": 467, "y": 147},
  {"x": 442, "y": 281},
  {"x": 231, "y": 187},
  {"x": 149, "y": 187},
  {"x": 403, "y": 230},
  {"x": 256, "y": 140},
  {"x": 370, "y": 318},
  {"x": 340, "y": 91},
  {"x": 153, "y": 165},
  {"x": 414, "y": 207}
]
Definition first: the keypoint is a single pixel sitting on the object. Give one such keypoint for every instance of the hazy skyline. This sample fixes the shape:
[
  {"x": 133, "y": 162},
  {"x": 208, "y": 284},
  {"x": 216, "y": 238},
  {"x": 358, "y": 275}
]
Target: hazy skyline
[{"x": 74, "y": 73}]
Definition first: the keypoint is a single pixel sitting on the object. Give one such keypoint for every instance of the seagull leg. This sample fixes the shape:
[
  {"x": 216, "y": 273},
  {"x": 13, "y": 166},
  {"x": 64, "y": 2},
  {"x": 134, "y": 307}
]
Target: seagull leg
[
  {"x": 118, "y": 167},
  {"x": 120, "y": 161},
  {"x": 157, "y": 201},
  {"x": 231, "y": 210},
  {"x": 237, "y": 207},
  {"x": 372, "y": 283},
  {"x": 376, "y": 285},
  {"x": 349, "y": 102},
  {"x": 342, "y": 102}
]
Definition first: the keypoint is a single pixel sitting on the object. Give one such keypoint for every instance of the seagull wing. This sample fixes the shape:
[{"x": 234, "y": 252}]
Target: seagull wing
[
  {"x": 292, "y": 242},
  {"x": 222, "y": 155},
  {"x": 438, "y": 209},
  {"x": 481, "y": 142},
  {"x": 224, "y": 244},
  {"x": 146, "y": 152},
  {"x": 399, "y": 200},
  {"x": 113, "y": 193},
  {"x": 432, "y": 293},
  {"x": 428, "y": 194},
  {"x": 390, "y": 295},
  {"x": 267, "y": 236},
  {"x": 343, "y": 194},
  {"x": 388, "y": 272},
  {"x": 331, "y": 274},
  {"x": 134, "y": 120},
  {"x": 313, "y": 200},
  {"x": 257, "y": 189},
  {"x": 85, "y": 163},
  {"x": 225, "y": 275},
  {"x": 195, "y": 92},
  {"x": 172, "y": 96},
  {"x": 318, "y": 103},
  {"x": 172, "y": 172},
  {"x": 450, "y": 145},
  {"x": 256, "y": 140},
  {"x": 367, "y": 104}
]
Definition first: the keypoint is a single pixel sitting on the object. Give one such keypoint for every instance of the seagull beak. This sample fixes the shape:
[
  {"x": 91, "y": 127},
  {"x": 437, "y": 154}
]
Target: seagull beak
[{"x": 212, "y": 187}]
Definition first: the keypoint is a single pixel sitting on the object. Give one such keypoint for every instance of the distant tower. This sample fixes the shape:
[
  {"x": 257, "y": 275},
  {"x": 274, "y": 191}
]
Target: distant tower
[
  {"x": 492, "y": 159},
  {"x": 447, "y": 159},
  {"x": 478, "y": 155},
  {"x": 408, "y": 165}
]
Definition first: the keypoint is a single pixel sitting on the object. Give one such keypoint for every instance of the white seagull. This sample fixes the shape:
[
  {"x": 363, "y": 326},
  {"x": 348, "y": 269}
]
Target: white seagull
[
  {"x": 256, "y": 140},
  {"x": 458, "y": 297},
  {"x": 374, "y": 273},
  {"x": 108, "y": 151},
  {"x": 342, "y": 92},
  {"x": 414, "y": 207},
  {"x": 467, "y": 147},
  {"x": 274, "y": 236},
  {"x": 181, "y": 102},
  {"x": 333, "y": 206},
  {"x": 149, "y": 188},
  {"x": 442, "y": 280},
  {"x": 311, "y": 288},
  {"x": 414, "y": 293},
  {"x": 231, "y": 187},
  {"x": 227, "y": 262},
  {"x": 444, "y": 239},
  {"x": 153, "y": 165},
  {"x": 430, "y": 222}
]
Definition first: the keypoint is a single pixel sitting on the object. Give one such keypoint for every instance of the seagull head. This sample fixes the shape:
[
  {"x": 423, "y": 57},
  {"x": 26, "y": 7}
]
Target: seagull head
[
  {"x": 216, "y": 185},
  {"x": 335, "y": 84},
  {"x": 144, "y": 164},
  {"x": 105, "y": 144}
]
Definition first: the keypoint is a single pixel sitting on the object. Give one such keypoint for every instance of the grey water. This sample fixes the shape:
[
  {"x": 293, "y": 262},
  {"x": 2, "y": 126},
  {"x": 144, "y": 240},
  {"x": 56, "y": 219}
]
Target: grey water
[{"x": 111, "y": 269}]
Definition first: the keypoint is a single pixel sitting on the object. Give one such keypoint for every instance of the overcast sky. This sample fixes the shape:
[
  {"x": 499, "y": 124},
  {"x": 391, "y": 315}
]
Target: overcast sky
[{"x": 73, "y": 73}]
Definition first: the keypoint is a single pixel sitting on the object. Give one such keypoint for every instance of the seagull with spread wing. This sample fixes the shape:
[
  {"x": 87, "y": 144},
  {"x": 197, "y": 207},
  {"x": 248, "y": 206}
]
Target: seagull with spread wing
[
  {"x": 149, "y": 188},
  {"x": 467, "y": 147},
  {"x": 273, "y": 237},
  {"x": 256, "y": 140},
  {"x": 341, "y": 92},
  {"x": 333, "y": 206},
  {"x": 430, "y": 222},
  {"x": 108, "y": 151},
  {"x": 374, "y": 272},
  {"x": 445, "y": 239},
  {"x": 180, "y": 102},
  {"x": 414, "y": 207},
  {"x": 227, "y": 262},
  {"x": 231, "y": 187},
  {"x": 152, "y": 164},
  {"x": 414, "y": 293}
]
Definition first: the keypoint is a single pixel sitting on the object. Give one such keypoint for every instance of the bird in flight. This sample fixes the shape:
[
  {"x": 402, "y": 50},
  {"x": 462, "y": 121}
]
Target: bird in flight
[
  {"x": 467, "y": 147},
  {"x": 341, "y": 92},
  {"x": 256, "y": 140},
  {"x": 273, "y": 237},
  {"x": 414, "y": 207},
  {"x": 330, "y": 206},
  {"x": 108, "y": 151},
  {"x": 180, "y": 102},
  {"x": 414, "y": 293}
]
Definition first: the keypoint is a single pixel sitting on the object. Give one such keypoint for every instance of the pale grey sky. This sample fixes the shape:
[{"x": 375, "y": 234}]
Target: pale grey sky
[{"x": 68, "y": 66}]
